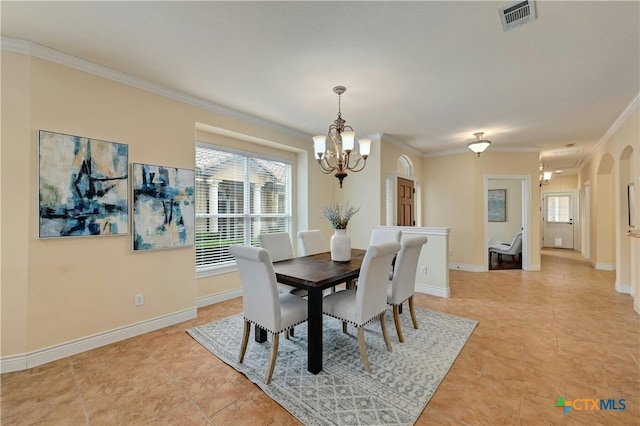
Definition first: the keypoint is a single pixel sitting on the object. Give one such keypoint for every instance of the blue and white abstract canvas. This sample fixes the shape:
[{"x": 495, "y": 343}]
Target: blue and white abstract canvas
[
  {"x": 83, "y": 186},
  {"x": 163, "y": 207}
]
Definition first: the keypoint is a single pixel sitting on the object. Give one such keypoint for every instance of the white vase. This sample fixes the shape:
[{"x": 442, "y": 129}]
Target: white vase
[{"x": 340, "y": 246}]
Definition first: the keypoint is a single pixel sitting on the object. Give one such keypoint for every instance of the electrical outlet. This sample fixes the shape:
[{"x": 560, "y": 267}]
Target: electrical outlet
[
  {"x": 423, "y": 269},
  {"x": 138, "y": 299},
  {"x": 450, "y": 252}
]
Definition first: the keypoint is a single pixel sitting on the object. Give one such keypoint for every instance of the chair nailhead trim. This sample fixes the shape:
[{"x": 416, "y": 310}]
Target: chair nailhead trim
[
  {"x": 352, "y": 322},
  {"x": 271, "y": 331}
]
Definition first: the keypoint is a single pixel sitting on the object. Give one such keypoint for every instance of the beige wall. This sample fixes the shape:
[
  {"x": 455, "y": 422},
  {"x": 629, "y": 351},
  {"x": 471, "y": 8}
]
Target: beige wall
[
  {"x": 58, "y": 290},
  {"x": 560, "y": 183},
  {"x": 615, "y": 164},
  {"x": 454, "y": 198}
]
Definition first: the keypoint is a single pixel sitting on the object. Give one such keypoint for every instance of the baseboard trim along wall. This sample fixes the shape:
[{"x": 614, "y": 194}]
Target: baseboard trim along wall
[
  {"x": 605, "y": 266},
  {"x": 432, "y": 290},
  {"x": 623, "y": 288},
  {"x": 218, "y": 297},
  {"x": 467, "y": 268},
  {"x": 42, "y": 356}
]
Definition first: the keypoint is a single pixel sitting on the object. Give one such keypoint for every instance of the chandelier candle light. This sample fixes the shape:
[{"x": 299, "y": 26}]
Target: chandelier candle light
[{"x": 342, "y": 157}]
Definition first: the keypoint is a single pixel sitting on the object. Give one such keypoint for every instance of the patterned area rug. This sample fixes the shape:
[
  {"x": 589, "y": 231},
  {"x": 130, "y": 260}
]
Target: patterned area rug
[{"x": 395, "y": 392}]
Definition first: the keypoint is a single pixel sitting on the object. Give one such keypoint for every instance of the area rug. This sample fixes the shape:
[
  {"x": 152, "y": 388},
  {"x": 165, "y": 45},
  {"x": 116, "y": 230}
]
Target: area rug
[{"x": 395, "y": 392}]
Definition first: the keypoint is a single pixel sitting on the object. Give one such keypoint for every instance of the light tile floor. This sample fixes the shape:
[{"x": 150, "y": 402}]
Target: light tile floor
[{"x": 563, "y": 331}]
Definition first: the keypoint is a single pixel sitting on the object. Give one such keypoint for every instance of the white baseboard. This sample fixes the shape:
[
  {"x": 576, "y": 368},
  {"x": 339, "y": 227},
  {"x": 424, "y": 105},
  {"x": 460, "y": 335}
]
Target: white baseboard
[
  {"x": 623, "y": 288},
  {"x": 468, "y": 268},
  {"x": 605, "y": 266},
  {"x": 432, "y": 290},
  {"x": 534, "y": 268},
  {"x": 218, "y": 297},
  {"x": 53, "y": 353}
]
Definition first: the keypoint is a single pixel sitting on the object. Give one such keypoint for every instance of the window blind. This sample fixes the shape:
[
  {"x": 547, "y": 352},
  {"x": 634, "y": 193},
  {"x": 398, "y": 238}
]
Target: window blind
[{"x": 238, "y": 196}]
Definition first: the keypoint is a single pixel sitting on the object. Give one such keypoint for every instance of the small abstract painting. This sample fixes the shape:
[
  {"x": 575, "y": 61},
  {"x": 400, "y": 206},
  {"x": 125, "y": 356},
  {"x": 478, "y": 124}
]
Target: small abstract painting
[
  {"x": 497, "y": 204},
  {"x": 163, "y": 207},
  {"x": 83, "y": 186}
]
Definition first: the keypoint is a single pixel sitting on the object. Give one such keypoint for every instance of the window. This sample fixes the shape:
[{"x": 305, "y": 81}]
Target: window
[
  {"x": 558, "y": 208},
  {"x": 238, "y": 196}
]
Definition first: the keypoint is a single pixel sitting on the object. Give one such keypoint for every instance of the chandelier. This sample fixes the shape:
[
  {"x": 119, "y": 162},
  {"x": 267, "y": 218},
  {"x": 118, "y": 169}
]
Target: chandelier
[
  {"x": 479, "y": 145},
  {"x": 342, "y": 157}
]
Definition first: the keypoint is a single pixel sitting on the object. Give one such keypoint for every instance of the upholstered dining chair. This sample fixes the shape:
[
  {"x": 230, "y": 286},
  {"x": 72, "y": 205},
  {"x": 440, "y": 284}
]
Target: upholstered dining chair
[
  {"x": 279, "y": 246},
  {"x": 384, "y": 236},
  {"x": 402, "y": 286},
  {"x": 263, "y": 305},
  {"x": 312, "y": 242},
  {"x": 369, "y": 302}
]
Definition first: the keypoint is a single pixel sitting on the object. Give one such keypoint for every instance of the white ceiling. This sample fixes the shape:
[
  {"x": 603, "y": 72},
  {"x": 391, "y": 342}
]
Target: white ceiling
[{"x": 426, "y": 74}]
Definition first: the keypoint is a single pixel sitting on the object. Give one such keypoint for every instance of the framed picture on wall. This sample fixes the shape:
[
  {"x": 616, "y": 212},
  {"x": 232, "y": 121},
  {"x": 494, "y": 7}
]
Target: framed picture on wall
[
  {"x": 83, "y": 186},
  {"x": 163, "y": 207},
  {"x": 497, "y": 205}
]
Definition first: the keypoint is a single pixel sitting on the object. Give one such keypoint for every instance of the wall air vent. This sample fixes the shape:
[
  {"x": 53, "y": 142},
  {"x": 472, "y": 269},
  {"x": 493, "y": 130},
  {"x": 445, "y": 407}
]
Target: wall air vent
[{"x": 517, "y": 14}]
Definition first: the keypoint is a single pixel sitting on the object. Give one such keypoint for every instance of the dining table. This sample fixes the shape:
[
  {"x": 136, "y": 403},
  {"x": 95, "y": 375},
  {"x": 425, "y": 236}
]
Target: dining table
[{"x": 316, "y": 273}]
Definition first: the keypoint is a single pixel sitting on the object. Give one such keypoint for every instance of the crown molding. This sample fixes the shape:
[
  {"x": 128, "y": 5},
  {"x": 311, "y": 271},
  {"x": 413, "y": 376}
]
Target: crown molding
[
  {"x": 630, "y": 109},
  {"x": 51, "y": 55},
  {"x": 392, "y": 141},
  {"x": 466, "y": 150}
]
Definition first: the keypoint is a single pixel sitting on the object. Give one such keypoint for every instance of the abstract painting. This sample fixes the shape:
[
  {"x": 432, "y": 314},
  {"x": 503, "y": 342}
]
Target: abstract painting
[
  {"x": 497, "y": 205},
  {"x": 163, "y": 207},
  {"x": 83, "y": 186}
]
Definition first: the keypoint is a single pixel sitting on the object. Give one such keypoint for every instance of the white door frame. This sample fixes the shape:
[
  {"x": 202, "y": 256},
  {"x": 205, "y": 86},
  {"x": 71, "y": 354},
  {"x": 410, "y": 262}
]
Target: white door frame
[
  {"x": 575, "y": 208},
  {"x": 525, "y": 181}
]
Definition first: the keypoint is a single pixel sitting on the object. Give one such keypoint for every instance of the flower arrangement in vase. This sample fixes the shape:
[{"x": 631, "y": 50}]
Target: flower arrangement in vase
[{"x": 340, "y": 241}]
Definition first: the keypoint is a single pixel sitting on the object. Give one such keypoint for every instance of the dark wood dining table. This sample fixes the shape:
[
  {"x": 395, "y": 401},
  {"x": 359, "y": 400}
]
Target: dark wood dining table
[{"x": 315, "y": 273}]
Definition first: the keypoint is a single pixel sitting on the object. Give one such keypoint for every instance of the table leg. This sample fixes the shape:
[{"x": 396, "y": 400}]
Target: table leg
[
  {"x": 260, "y": 335},
  {"x": 314, "y": 335}
]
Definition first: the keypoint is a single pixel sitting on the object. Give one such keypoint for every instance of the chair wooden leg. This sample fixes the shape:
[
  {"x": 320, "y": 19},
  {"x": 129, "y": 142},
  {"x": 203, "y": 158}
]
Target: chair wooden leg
[
  {"x": 413, "y": 313},
  {"x": 272, "y": 359},
  {"x": 363, "y": 349},
  {"x": 344, "y": 327},
  {"x": 385, "y": 334},
  {"x": 396, "y": 320},
  {"x": 245, "y": 340}
]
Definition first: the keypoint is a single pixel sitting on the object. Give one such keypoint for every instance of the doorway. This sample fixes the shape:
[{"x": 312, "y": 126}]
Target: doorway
[
  {"x": 405, "y": 206},
  {"x": 557, "y": 220},
  {"x": 503, "y": 227}
]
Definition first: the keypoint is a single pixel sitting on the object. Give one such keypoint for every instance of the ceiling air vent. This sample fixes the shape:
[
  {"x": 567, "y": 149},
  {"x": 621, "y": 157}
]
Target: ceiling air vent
[{"x": 517, "y": 14}]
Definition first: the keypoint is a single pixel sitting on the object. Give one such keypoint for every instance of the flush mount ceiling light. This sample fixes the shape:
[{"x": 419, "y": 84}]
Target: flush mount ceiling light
[
  {"x": 480, "y": 144},
  {"x": 342, "y": 157}
]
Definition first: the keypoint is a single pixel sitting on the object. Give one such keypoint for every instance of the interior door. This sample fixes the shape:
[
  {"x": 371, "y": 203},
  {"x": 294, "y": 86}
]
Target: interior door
[
  {"x": 558, "y": 221},
  {"x": 406, "y": 196}
]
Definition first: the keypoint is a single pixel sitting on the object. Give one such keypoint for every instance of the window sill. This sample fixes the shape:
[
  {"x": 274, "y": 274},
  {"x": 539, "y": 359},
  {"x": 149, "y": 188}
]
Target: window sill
[{"x": 215, "y": 270}]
